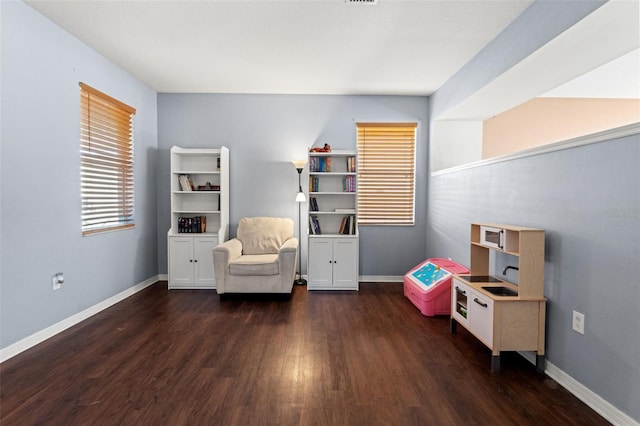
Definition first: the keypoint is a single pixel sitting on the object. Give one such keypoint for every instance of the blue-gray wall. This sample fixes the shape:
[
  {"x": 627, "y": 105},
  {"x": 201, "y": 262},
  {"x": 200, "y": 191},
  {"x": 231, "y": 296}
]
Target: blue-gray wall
[
  {"x": 588, "y": 201},
  {"x": 264, "y": 133},
  {"x": 40, "y": 179}
]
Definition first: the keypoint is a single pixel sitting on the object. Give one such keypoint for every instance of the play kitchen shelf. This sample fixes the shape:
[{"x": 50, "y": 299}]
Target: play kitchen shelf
[{"x": 502, "y": 315}]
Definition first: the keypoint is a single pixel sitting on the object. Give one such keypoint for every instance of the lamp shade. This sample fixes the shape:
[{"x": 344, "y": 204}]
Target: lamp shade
[
  {"x": 300, "y": 198},
  {"x": 299, "y": 164}
]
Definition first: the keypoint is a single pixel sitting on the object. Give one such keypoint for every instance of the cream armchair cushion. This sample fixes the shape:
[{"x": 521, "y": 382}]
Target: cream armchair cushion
[
  {"x": 264, "y": 235},
  {"x": 261, "y": 259}
]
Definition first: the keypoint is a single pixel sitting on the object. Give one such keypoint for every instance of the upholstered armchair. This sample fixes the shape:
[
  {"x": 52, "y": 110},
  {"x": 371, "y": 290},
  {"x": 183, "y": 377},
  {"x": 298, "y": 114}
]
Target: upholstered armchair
[{"x": 261, "y": 259}]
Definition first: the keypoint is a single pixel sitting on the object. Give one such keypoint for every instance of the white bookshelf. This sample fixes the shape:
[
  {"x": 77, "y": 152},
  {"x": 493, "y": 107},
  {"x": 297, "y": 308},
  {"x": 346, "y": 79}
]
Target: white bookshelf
[
  {"x": 199, "y": 214},
  {"x": 333, "y": 240}
]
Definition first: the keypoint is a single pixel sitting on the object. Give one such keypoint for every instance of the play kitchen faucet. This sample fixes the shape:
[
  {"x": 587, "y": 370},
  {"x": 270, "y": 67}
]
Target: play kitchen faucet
[{"x": 504, "y": 272}]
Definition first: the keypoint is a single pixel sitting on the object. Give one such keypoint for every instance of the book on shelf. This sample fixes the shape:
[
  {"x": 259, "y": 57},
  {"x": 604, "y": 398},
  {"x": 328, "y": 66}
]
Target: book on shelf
[
  {"x": 349, "y": 184},
  {"x": 347, "y": 225},
  {"x": 320, "y": 164},
  {"x": 343, "y": 224},
  {"x": 351, "y": 164},
  {"x": 192, "y": 225},
  {"x": 314, "y": 184},
  {"x": 313, "y": 204},
  {"x": 314, "y": 225},
  {"x": 185, "y": 183}
]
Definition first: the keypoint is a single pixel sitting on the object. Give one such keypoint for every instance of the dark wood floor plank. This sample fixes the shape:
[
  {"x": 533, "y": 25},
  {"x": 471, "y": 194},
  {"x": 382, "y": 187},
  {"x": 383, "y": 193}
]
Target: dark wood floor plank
[{"x": 319, "y": 358}]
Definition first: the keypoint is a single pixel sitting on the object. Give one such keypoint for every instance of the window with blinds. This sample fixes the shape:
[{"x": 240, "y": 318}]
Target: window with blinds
[
  {"x": 386, "y": 173},
  {"x": 106, "y": 162}
]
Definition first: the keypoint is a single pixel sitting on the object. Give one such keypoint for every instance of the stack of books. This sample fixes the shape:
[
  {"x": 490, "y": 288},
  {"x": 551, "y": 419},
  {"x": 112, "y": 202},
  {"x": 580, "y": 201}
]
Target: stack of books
[
  {"x": 313, "y": 204},
  {"x": 314, "y": 226},
  {"x": 192, "y": 225},
  {"x": 348, "y": 225},
  {"x": 320, "y": 164},
  {"x": 185, "y": 183},
  {"x": 349, "y": 184},
  {"x": 351, "y": 164}
]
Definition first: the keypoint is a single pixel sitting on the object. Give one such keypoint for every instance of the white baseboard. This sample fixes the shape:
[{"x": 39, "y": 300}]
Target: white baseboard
[
  {"x": 584, "y": 394},
  {"x": 42, "y": 335},
  {"x": 381, "y": 278}
]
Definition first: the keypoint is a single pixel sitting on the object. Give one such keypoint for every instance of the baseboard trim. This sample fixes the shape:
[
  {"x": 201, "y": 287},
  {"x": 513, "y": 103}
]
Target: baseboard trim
[
  {"x": 42, "y": 335},
  {"x": 381, "y": 278},
  {"x": 584, "y": 394}
]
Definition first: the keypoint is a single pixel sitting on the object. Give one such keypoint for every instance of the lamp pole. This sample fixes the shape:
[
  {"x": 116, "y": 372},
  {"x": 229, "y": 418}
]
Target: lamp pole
[{"x": 300, "y": 198}]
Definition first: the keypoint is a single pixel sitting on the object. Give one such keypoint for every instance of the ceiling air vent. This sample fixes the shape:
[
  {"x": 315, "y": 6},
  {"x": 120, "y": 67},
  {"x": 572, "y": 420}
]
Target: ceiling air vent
[{"x": 361, "y": 1}]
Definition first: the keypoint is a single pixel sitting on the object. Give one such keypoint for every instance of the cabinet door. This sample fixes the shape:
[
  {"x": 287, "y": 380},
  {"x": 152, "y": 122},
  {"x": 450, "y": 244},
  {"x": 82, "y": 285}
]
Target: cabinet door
[
  {"x": 460, "y": 297},
  {"x": 344, "y": 264},
  {"x": 203, "y": 261},
  {"x": 481, "y": 317},
  {"x": 180, "y": 261},
  {"x": 320, "y": 264}
]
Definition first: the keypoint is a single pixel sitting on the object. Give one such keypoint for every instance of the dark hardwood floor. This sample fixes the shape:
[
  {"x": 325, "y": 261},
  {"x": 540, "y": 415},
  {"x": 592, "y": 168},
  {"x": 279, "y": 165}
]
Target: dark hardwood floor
[{"x": 322, "y": 358}]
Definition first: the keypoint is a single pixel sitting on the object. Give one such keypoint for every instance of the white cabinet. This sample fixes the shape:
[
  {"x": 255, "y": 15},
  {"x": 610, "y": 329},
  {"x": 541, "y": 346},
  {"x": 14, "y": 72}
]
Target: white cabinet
[
  {"x": 333, "y": 225},
  {"x": 481, "y": 317},
  {"x": 199, "y": 214},
  {"x": 333, "y": 263},
  {"x": 191, "y": 262},
  {"x": 474, "y": 310}
]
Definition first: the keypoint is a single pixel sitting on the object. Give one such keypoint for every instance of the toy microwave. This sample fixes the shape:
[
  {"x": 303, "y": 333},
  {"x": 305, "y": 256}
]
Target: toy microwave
[{"x": 492, "y": 237}]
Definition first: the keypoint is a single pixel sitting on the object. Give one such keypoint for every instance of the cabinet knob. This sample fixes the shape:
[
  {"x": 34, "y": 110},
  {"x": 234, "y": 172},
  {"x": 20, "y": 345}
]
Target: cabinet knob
[
  {"x": 190, "y": 260},
  {"x": 196, "y": 260}
]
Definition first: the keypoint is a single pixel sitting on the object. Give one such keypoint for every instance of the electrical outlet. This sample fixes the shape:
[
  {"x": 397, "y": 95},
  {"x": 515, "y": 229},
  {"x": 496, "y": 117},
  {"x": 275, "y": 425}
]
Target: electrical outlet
[
  {"x": 57, "y": 280},
  {"x": 578, "y": 322}
]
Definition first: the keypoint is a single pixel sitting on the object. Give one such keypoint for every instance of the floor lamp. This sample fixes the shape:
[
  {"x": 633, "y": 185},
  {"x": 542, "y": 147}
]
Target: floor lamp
[{"x": 300, "y": 198}]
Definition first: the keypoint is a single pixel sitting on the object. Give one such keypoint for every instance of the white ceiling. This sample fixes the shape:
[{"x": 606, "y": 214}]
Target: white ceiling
[{"x": 300, "y": 47}]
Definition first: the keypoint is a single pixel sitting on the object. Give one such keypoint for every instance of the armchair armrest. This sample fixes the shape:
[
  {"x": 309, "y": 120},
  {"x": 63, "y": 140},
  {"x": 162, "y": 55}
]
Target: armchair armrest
[
  {"x": 223, "y": 254},
  {"x": 291, "y": 245},
  {"x": 288, "y": 257}
]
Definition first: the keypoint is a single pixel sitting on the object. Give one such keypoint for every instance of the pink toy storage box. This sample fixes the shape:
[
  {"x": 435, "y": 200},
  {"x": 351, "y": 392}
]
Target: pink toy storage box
[{"x": 428, "y": 285}]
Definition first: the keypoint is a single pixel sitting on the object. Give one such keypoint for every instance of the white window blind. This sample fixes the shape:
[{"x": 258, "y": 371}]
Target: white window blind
[
  {"x": 106, "y": 162},
  {"x": 386, "y": 173}
]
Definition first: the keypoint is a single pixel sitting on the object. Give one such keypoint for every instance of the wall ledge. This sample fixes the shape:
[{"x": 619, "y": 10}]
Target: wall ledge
[{"x": 605, "y": 135}]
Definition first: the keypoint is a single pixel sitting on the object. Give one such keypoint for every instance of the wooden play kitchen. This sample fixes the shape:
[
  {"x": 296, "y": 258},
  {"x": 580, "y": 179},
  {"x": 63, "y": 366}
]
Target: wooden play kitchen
[{"x": 502, "y": 315}]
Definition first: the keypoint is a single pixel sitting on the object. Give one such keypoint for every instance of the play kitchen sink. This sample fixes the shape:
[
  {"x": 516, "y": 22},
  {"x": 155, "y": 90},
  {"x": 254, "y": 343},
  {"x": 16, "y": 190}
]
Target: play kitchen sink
[
  {"x": 500, "y": 291},
  {"x": 496, "y": 290}
]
